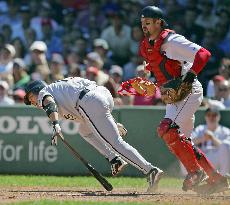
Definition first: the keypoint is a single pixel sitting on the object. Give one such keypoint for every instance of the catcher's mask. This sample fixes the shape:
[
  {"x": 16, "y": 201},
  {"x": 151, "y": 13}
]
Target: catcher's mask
[
  {"x": 153, "y": 12},
  {"x": 33, "y": 87}
]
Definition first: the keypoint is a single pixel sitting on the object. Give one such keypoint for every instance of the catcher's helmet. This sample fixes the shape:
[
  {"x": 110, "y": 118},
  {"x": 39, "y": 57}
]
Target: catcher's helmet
[
  {"x": 153, "y": 12},
  {"x": 34, "y": 87}
]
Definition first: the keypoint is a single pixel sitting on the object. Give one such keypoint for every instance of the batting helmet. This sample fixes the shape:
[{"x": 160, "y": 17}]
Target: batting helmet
[
  {"x": 33, "y": 87},
  {"x": 153, "y": 12}
]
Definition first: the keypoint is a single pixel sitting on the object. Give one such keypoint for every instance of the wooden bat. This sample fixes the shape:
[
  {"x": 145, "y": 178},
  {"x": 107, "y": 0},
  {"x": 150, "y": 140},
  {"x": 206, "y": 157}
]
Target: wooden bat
[{"x": 93, "y": 171}]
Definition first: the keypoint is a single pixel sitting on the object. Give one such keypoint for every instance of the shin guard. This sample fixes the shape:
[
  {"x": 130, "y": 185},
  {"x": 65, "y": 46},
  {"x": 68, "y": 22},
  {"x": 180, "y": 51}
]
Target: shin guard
[
  {"x": 207, "y": 166},
  {"x": 178, "y": 144}
]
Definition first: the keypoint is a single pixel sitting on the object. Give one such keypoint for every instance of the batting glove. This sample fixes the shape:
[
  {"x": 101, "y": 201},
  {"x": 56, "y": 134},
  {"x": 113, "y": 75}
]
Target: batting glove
[
  {"x": 56, "y": 133},
  {"x": 122, "y": 130}
]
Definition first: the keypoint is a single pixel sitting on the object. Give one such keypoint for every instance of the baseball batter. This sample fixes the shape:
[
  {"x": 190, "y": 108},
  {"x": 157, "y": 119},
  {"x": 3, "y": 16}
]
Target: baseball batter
[
  {"x": 90, "y": 105},
  {"x": 171, "y": 56}
]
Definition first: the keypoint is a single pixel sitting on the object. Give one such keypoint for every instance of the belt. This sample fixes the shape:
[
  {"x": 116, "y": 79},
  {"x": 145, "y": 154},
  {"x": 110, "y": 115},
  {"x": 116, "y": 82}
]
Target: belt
[{"x": 83, "y": 92}]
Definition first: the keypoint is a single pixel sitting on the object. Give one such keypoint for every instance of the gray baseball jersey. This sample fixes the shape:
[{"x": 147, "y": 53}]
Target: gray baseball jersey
[{"x": 66, "y": 94}]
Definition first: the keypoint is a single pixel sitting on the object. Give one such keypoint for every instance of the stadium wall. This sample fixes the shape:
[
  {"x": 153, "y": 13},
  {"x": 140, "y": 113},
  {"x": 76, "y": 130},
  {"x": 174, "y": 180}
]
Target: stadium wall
[{"x": 25, "y": 142}]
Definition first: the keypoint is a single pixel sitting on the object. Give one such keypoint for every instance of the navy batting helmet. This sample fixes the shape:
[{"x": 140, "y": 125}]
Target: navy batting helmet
[
  {"x": 33, "y": 87},
  {"x": 153, "y": 12}
]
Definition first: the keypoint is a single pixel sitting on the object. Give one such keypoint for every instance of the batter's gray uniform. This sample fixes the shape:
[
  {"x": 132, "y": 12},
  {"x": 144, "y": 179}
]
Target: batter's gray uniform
[{"x": 90, "y": 105}]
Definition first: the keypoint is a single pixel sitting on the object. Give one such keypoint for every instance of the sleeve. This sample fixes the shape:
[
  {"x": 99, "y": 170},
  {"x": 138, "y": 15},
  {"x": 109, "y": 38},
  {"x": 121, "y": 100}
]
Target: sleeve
[
  {"x": 41, "y": 96},
  {"x": 177, "y": 47}
]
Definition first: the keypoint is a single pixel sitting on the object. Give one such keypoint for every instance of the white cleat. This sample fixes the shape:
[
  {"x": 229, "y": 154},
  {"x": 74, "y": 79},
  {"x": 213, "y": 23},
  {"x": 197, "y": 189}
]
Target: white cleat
[{"x": 153, "y": 179}]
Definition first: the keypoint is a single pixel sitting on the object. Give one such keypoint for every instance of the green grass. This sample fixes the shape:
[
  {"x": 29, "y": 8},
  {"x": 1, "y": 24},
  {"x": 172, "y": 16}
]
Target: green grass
[{"x": 81, "y": 182}]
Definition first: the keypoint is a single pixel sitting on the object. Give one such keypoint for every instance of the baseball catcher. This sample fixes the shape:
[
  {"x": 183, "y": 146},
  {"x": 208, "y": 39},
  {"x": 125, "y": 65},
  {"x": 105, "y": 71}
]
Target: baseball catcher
[{"x": 175, "y": 62}]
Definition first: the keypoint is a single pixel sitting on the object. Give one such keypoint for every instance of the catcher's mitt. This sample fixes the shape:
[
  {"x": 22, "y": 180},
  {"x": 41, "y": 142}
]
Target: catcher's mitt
[
  {"x": 175, "y": 90},
  {"x": 138, "y": 86}
]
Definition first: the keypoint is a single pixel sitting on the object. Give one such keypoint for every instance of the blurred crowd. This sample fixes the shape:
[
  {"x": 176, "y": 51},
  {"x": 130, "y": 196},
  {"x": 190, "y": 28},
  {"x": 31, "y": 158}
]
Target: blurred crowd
[{"x": 99, "y": 39}]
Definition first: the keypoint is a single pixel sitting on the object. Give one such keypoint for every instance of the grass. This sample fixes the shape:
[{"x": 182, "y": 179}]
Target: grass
[{"x": 81, "y": 182}]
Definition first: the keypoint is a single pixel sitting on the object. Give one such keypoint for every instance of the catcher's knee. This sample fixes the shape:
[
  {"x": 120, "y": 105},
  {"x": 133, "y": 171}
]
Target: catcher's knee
[{"x": 168, "y": 131}]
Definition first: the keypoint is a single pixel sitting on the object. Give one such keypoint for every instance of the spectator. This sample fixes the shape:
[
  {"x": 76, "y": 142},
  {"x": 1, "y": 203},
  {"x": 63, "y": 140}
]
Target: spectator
[
  {"x": 214, "y": 140},
  {"x": 213, "y": 84},
  {"x": 7, "y": 54},
  {"x": 93, "y": 59},
  {"x": 102, "y": 48},
  {"x": 19, "y": 48},
  {"x": 54, "y": 44},
  {"x": 116, "y": 73},
  {"x": 38, "y": 65},
  {"x": 136, "y": 37},
  {"x": 207, "y": 19},
  {"x": 74, "y": 71},
  {"x": 193, "y": 31},
  {"x": 222, "y": 92},
  {"x": 57, "y": 68},
  {"x": 4, "y": 95},
  {"x": 30, "y": 37},
  {"x": 224, "y": 73},
  {"x": 222, "y": 36},
  {"x": 44, "y": 14},
  {"x": 24, "y": 24},
  {"x": 81, "y": 47},
  {"x": 210, "y": 42},
  {"x": 18, "y": 96},
  {"x": 68, "y": 21},
  {"x": 21, "y": 78},
  {"x": 91, "y": 18},
  {"x": 129, "y": 68},
  {"x": 173, "y": 12},
  {"x": 7, "y": 33},
  {"x": 92, "y": 73},
  {"x": 118, "y": 36}
]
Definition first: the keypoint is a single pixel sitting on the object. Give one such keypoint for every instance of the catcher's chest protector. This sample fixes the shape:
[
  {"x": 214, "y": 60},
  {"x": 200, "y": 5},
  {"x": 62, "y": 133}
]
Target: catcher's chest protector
[{"x": 163, "y": 68}]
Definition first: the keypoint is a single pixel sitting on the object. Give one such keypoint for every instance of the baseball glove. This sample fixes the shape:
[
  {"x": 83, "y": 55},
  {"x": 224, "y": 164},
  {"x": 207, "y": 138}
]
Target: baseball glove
[
  {"x": 138, "y": 86},
  {"x": 175, "y": 90}
]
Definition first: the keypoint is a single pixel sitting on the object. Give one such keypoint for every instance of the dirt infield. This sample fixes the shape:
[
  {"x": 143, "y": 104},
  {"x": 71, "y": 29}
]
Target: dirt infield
[{"x": 14, "y": 194}]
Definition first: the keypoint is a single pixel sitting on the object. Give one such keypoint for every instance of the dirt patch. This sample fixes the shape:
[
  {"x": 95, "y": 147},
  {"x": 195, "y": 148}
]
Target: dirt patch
[{"x": 16, "y": 194}]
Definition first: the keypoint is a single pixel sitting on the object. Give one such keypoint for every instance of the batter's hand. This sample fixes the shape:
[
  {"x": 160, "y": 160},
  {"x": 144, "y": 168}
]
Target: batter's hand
[
  {"x": 56, "y": 133},
  {"x": 122, "y": 130}
]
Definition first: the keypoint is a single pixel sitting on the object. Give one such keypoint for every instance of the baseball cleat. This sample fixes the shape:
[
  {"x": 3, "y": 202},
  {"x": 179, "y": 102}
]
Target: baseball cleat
[
  {"x": 117, "y": 165},
  {"x": 215, "y": 187},
  {"x": 194, "y": 179},
  {"x": 153, "y": 179},
  {"x": 122, "y": 130}
]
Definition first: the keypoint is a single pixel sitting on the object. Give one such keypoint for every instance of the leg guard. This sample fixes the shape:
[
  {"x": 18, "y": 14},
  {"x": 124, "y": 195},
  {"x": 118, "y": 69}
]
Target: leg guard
[
  {"x": 178, "y": 144},
  {"x": 208, "y": 167}
]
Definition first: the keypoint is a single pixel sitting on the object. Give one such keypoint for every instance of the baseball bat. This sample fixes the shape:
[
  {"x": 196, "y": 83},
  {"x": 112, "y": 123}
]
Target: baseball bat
[{"x": 93, "y": 171}]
